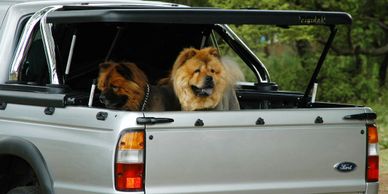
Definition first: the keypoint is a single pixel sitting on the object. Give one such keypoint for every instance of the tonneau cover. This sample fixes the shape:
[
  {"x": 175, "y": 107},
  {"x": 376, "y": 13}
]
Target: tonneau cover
[{"x": 79, "y": 14}]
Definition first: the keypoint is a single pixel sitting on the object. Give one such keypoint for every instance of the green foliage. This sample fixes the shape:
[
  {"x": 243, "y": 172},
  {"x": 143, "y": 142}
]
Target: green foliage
[
  {"x": 263, "y": 4},
  {"x": 379, "y": 105},
  {"x": 286, "y": 70},
  {"x": 194, "y": 3},
  {"x": 338, "y": 84},
  {"x": 254, "y": 35},
  {"x": 351, "y": 73}
]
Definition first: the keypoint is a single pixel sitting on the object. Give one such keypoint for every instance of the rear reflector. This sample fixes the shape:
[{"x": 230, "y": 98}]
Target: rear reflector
[
  {"x": 129, "y": 177},
  {"x": 373, "y": 169},
  {"x": 372, "y": 134},
  {"x": 129, "y": 167},
  {"x": 132, "y": 141}
]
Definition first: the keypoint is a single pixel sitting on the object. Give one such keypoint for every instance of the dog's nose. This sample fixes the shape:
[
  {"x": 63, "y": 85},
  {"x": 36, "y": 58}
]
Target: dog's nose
[{"x": 209, "y": 82}]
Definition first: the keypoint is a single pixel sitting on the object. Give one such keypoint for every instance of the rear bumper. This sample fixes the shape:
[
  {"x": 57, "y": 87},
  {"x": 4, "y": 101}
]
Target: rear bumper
[{"x": 372, "y": 188}]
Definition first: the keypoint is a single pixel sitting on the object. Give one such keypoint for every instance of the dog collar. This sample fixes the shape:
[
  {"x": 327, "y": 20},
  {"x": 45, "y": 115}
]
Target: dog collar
[{"x": 146, "y": 98}]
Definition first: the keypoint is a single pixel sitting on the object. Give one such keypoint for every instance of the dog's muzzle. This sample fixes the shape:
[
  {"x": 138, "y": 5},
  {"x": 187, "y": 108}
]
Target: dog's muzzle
[
  {"x": 111, "y": 100},
  {"x": 207, "y": 88}
]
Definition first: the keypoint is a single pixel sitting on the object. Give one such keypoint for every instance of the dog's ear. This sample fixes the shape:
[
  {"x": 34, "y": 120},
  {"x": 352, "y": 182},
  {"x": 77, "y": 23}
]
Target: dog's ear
[
  {"x": 104, "y": 65},
  {"x": 104, "y": 68},
  {"x": 213, "y": 51},
  {"x": 124, "y": 70},
  {"x": 132, "y": 72},
  {"x": 185, "y": 55}
]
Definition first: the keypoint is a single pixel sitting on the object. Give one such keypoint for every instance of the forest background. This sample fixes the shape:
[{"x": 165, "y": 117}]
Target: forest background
[{"x": 355, "y": 70}]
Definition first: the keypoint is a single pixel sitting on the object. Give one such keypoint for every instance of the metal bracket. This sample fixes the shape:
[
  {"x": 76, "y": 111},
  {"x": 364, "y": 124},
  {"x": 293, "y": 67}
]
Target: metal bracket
[
  {"x": 49, "y": 110},
  {"x": 260, "y": 121},
  {"x": 199, "y": 123},
  {"x": 318, "y": 120},
  {"x": 3, "y": 105},
  {"x": 101, "y": 116}
]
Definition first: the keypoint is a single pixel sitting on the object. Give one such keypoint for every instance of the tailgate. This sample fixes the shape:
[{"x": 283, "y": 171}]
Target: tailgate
[{"x": 233, "y": 153}]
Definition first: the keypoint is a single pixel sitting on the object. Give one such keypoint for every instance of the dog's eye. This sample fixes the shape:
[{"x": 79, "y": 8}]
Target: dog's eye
[
  {"x": 197, "y": 71},
  {"x": 115, "y": 88},
  {"x": 212, "y": 70}
]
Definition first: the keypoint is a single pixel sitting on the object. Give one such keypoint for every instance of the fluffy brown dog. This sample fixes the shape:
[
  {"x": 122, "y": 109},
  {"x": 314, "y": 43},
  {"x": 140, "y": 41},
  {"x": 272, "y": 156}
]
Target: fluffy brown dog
[
  {"x": 201, "y": 81},
  {"x": 124, "y": 86}
]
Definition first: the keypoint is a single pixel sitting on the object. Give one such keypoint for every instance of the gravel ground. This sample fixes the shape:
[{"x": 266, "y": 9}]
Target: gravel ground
[
  {"x": 383, "y": 179},
  {"x": 383, "y": 183}
]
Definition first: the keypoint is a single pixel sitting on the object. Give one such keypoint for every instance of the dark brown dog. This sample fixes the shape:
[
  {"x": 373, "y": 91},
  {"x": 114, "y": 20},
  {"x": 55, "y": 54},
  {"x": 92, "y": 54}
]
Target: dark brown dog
[{"x": 124, "y": 86}]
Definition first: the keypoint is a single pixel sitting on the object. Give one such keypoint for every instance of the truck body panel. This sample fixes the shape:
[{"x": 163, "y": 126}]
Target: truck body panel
[
  {"x": 231, "y": 154},
  {"x": 74, "y": 150}
]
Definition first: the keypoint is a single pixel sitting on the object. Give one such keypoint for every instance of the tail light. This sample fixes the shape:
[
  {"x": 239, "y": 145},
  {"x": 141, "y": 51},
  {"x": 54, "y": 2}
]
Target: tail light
[
  {"x": 129, "y": 167},
  {"x": 373, "y": 156}
]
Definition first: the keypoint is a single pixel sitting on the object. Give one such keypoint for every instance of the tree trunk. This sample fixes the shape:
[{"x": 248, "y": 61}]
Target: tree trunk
[
  {"x": 302, "y": 47},
  {"x": 357, "y": 58},
  {"x": 383, "y": 70}
]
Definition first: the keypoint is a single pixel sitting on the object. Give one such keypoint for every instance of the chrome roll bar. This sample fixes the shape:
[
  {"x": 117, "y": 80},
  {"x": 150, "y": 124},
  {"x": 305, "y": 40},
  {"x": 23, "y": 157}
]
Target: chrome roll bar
[{"x": 26, "y": 39}]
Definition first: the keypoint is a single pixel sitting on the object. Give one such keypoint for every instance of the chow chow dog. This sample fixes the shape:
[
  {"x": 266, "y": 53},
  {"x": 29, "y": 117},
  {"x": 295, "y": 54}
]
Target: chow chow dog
[
  {"x": 202, "y": 82},
  {"x": 124, "y": 86}
]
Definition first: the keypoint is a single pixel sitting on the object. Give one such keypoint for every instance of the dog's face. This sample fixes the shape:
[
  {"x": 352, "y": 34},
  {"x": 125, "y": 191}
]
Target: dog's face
[
  {"x": 122, "y": 85},
  {"x": 199, "y": 78}
]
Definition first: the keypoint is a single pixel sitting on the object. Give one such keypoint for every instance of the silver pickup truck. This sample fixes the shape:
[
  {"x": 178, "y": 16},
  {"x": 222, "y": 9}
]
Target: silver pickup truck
[{"x": 55, "y": 137}]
